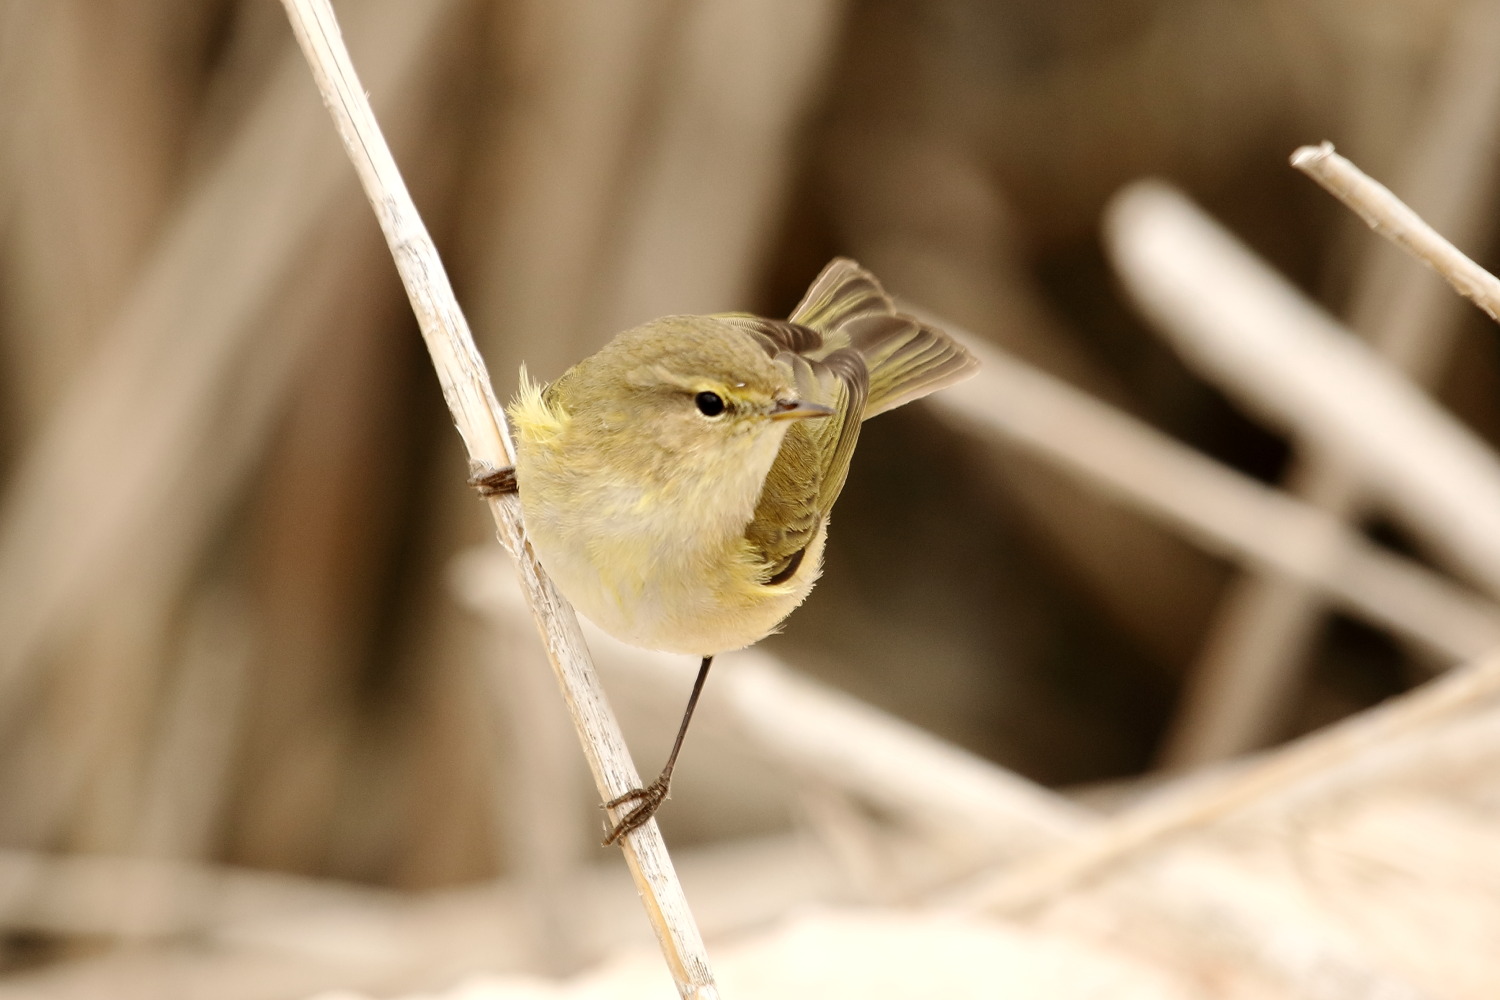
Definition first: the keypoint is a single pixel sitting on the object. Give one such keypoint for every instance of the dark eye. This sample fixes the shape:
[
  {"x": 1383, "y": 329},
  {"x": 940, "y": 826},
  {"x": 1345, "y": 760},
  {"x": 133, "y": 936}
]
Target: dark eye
[{"x": 709, "y": 404}]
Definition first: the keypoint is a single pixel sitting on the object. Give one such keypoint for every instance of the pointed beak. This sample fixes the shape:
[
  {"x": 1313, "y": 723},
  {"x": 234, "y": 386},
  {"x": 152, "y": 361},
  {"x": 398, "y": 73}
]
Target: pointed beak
[{"x": 795, "y": 409}]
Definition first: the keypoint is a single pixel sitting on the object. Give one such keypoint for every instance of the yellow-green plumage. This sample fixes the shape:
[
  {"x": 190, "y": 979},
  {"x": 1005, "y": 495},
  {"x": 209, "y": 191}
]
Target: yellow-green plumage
[{"x": 679, "y": 530}]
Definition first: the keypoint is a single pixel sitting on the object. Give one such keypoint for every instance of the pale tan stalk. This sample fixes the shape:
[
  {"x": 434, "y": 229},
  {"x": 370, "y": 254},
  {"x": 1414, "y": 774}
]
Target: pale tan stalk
[
  {"x": 848, "y": 756},
  {"x": 1241, "y": 688},
  {"x": 1317, "y": 758},
  {"x": 259, "y": 935},
  {"x": 1390, "y": 217},
  {"x": 1223, "y": 510},
  {"x": 821, "y": 733},
  {"x": 481, "y": 423},
  {"x": 186, "y": 382},
  {"x": 1241, "y": 324}
]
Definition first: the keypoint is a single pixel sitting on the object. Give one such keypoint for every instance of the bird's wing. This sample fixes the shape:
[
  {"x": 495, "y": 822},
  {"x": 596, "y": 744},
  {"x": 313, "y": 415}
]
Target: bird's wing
[
  {"x": 841, "y": 295},
  {"x": 813, "y": 462},
  {"x": 846, "y": 308},
  {"x": 776, "y": 335},
  {"x": 906, "y": 358},
  {"x": 851, "y": 349}
]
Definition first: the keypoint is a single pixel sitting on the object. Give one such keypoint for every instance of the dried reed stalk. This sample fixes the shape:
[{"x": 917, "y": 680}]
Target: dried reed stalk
[
  {"x": 188, "y": 778},
  {"x": 961, "y": 809},
  {"x": 1282, "y": 774},
  {"x": 1391, "y": 218},
  {"x": 256, "y": 935},
  {"x": 539, "y": 806},
  {"x": 577, "y": 89},
  {"x": 605, "y": 212},
  {"x": 821, "y": 733},
  {"x": 577, "y": 84},
  {"x": 1237, "y": 694},
  {"x": 174, "y": 409},
  {"x": 100, "y": 97},
  {"x": 1221, "y": 509},
  {"x": 828, "y": 738},
  {"x": 929, "y": 219},
  {"x": 1247, "y": 328},
  {"x": 692, "y": 230},
  {"x": 481, "y": 423},
  {"x": 148, "y": 406}
]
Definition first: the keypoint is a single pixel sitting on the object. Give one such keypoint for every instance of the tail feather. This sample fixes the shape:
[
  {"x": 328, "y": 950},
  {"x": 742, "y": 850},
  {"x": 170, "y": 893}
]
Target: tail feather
[
  {"x": 906, "y": 358},
  {"x": 842, "y": 293}
]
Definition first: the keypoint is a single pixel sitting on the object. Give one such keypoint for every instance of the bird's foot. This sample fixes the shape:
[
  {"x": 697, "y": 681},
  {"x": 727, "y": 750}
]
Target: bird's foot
[
  {"x": 492, "y": 482},
  {"x": 648, "y": 799}
]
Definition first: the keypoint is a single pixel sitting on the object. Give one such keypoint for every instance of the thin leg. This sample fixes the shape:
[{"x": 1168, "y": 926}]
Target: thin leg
[{"x": 650, "y": 798}]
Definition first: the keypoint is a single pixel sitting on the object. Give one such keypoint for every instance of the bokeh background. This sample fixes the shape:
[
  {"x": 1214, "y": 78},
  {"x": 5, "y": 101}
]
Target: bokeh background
[{"x": 248, "y": 620}]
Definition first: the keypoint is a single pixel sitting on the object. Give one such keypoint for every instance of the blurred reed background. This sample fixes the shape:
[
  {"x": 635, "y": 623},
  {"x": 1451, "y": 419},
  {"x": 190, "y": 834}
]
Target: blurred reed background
[{"x": 252, "y": 664}]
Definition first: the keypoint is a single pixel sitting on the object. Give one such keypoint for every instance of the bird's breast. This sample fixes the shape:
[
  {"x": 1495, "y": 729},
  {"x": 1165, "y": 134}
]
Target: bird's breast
[{"x": 658, "y": 566}]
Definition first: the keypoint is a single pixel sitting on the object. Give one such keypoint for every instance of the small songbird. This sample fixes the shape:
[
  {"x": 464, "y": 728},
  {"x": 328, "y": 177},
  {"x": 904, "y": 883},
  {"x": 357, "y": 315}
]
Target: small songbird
[{"x": 677, "y": 485}]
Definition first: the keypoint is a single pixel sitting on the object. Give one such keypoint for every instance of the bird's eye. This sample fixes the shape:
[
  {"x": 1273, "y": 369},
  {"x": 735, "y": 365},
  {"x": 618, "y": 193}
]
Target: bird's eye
[{"x": 709, "y": 404}]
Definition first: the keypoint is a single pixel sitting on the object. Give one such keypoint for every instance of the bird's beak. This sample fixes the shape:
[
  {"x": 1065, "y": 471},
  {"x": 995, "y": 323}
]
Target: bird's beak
[{"x": 796, "y": 409}]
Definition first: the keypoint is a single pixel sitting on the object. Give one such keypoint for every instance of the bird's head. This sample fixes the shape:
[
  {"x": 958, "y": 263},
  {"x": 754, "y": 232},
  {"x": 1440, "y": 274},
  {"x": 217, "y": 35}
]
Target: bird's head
[{"x": 690, "y": 391}]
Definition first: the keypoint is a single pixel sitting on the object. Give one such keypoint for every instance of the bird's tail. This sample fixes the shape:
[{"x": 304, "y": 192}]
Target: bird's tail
[{"x": 906, "y": 358}]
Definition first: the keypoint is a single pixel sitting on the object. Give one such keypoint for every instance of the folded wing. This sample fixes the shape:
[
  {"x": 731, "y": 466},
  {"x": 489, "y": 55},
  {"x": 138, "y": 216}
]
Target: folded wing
[{"x": 849, "y": 348}]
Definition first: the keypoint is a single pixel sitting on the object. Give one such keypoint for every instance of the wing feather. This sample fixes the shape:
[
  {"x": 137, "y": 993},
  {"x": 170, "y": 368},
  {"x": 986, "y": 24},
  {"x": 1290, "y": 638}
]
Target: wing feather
[
  {"x": 776, "y": 335},
  {"x": 813, "y": 462},
  {"x": 906, "y": 358},
  {"x": 851, "y": 349}
]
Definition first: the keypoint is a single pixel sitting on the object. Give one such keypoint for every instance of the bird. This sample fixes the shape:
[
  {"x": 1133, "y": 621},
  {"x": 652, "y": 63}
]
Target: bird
[{"x": 677, "y": 484}]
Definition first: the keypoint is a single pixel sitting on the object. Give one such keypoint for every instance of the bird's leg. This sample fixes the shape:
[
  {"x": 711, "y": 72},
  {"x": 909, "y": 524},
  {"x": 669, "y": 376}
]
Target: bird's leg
[
  {"x": 492, "y": 482},
  {"x": 649, "y": 798}
]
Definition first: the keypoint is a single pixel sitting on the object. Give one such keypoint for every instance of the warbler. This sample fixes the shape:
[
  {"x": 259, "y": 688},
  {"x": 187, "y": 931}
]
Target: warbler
[{"x": 677, "y": 485}]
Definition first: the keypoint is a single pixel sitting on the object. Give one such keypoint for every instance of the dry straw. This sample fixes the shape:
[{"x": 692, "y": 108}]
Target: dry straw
[
  {"x": 481, "y": 423},
  {"x": 1223, "y": 510},
  {"x": 1321, "y": 756},
  {"x": 1341, "y": 747},
  {"x": 1257, "y": 645},
  {"x": 1239, "y": 323},
  {"x": 1391, "y": 218}
]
